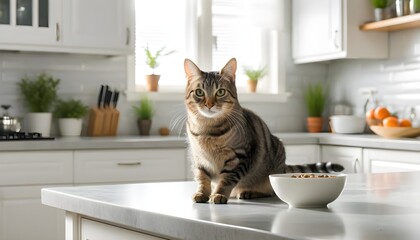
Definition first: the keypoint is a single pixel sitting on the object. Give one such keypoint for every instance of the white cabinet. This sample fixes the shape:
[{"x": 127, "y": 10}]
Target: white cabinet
[
  {"x": 108, "y": 166},
  {"x": 351, "y": 158},
  {"x": 33, "y": 22},
  {"x": 377, "y": 160},
  {"x": 76, "y": 26},
  {"x": 301, "y": 154},
  {"x": 105, "y": 26},
  {"x": 22, "y": 175},
  {"x": 93, "y": 230},
  {"x": 329, "y": 29}
]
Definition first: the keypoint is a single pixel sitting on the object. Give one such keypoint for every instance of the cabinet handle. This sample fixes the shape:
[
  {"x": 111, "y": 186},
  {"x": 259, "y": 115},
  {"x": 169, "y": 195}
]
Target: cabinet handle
[
  {"x": 128, "y": 34},
  {"x": 57, "y": 32},
  {"x": 336, "y": 38},
  {"x": 129, "y": 164},
  {"x": 355, "y": 163}
]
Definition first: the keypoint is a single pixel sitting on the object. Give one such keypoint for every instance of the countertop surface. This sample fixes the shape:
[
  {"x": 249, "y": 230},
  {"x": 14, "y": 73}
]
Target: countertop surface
[
  {"x": 372, "y": 206},
  {"x": 137, "y": 142}
]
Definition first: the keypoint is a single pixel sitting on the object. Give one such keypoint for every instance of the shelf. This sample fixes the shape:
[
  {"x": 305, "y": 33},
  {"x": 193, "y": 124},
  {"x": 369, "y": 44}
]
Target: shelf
[{"x": 393, "y": 24}]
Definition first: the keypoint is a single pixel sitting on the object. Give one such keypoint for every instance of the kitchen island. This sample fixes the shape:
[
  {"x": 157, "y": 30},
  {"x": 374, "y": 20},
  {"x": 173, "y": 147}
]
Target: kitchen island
[{"x": 372, "y": 206}]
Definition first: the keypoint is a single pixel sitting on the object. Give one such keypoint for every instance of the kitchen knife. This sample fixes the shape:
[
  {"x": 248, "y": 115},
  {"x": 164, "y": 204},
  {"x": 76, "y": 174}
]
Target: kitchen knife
[
  {"x": 101, "y": 96},
  {"x": 115, "y": 114},
  {"x": 106, "y": 128}
]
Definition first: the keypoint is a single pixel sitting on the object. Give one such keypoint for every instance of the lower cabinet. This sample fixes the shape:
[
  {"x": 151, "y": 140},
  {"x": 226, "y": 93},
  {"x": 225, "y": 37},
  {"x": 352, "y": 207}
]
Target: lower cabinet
[
  {"x": 302, "y": 154},
  {"x": 378, "y": 160},
  {"x": 351, "y": 158},
  {"x": 93, "y": 230}
]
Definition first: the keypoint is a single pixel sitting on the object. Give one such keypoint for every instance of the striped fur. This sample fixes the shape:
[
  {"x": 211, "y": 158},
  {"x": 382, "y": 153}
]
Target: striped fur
[{"x": 232, "y": 149}]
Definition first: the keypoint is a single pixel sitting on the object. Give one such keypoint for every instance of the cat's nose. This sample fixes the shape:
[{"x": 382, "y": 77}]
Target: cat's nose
[{"x": 209, "y": 104}]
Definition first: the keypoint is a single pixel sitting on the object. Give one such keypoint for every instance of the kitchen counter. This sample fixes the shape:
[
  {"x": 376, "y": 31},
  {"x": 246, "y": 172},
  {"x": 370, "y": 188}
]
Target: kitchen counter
[
  {"x": 137, "y": 142},
  {"x": 372, "y": 206}
]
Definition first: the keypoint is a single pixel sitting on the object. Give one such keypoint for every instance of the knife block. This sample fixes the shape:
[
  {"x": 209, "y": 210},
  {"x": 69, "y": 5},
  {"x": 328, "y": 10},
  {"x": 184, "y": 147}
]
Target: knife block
[{"x": 103, "y": 122}]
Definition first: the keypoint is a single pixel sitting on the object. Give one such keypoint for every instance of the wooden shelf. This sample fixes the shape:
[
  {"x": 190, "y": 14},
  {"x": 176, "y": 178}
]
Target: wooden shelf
[{"x": 393, "y": 24}]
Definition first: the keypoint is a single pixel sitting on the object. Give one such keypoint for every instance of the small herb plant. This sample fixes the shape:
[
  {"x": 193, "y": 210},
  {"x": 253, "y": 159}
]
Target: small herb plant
[
  {"x": 255, "y": 74},
  {"x": 40, "y": 93},
  {"x": 145, "y": 109},
  {"x": 315, "y": 97},
  {"x": 152, "y": 59},
  {"x": 380, "y": 3},
  {"x": 70, "y": 109}
]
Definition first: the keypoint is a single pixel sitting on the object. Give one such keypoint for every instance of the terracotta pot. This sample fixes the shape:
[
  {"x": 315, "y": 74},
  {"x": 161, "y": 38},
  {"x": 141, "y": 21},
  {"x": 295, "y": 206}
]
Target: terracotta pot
[
  {"x": 252, "y": 85},
  {"x": 152, "y": 82},
  {"x": 144, "y": 126},
  {"x": 314, "y": 124}
]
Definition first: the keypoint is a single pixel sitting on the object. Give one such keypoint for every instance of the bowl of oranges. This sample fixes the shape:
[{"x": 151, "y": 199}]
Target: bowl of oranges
[{"x": 383, "y": 123}]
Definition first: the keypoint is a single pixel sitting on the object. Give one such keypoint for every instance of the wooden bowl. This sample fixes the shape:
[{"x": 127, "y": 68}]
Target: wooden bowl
[{"x": 396, "y": 132}]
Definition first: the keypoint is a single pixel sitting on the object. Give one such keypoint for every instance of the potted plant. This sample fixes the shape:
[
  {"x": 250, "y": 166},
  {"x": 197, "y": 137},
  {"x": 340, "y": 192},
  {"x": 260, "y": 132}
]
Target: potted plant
[
  {"x": 70, "y": 114},
  {"x": 315, "y": 97},
  {"x": 253, "y": 76},
  {"x": 39, "y": 96},
  {"x": 382, "y": 10},
  {"x": 152, "y": 61},
  {"x": 144, "y": 112}
]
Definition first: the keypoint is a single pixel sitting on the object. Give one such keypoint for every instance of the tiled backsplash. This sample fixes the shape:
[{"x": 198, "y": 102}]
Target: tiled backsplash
[{"x": 396, "y": 79}]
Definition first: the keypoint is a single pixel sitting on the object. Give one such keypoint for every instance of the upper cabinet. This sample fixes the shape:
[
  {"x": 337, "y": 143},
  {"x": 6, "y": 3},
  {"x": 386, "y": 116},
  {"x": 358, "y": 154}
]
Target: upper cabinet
[
  {"x": 76, "y": 26},
  {"x": 329, "y": 29}
]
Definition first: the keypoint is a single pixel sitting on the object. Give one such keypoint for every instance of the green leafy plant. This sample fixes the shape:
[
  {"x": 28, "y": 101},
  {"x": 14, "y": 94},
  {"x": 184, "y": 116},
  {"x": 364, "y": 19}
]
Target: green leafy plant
[
  {"x": 152, "y": 58},
  {"x": 144, "y": 110},
  {"x": 70, "y": 109},
  {"x": 40, "y": 93},
  {"x": 380, "y": 3},
  {"x": 315, "y": 97},
  {"x": 255, "y": 74}
]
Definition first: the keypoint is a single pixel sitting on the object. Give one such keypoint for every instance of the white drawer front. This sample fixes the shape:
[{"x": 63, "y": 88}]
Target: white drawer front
[
  {"x": 33, "y": 167},
  {"x": 129, "y": 165}
]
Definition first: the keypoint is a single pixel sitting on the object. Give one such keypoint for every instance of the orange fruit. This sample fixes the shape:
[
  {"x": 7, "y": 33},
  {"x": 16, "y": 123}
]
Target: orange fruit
[
  {"x": 370, "y": 114},
  {"x": 390, "y": 122},
  {"x": 404, "y": 122},
  {"x": 381, "y": 113}
]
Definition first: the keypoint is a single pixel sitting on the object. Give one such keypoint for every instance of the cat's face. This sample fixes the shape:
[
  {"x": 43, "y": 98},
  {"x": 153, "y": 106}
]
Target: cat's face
[{"x": 210, "y": 94}]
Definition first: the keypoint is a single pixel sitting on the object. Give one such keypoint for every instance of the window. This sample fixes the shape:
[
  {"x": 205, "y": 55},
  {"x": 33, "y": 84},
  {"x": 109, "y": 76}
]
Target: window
[{"x": 209, "y": 32}]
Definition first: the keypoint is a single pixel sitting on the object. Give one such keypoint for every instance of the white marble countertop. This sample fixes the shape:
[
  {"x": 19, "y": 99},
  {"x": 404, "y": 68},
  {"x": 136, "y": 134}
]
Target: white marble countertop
[
  {"x": 372, "y": 206},
  {"x": 138, "y": 142}
]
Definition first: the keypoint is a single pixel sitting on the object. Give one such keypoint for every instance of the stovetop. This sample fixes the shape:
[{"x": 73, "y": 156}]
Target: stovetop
[{"x": 22, "y": 136}]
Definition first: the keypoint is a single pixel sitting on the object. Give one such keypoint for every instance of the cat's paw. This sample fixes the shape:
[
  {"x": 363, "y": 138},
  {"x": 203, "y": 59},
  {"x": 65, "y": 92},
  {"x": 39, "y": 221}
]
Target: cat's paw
[
  {"x": 199, "y": 197},
  {"x": 251, "y": 194},
  {"x": 218, "y": 199}
]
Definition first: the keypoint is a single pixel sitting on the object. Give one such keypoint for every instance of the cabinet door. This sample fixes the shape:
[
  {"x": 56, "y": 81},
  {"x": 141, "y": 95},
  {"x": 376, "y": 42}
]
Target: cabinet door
[
  {"x": 110, "y": 166},
  {"x": 34, "y": 22},
  {"x": 317, "y": 28},
  {"x": 94, "y": 25},
  {"x": 302, "y": 154},
  {"x": 22, "y": 216},
  {"x": 377, "y": 160},
  {"x": 349, "y": 157}
]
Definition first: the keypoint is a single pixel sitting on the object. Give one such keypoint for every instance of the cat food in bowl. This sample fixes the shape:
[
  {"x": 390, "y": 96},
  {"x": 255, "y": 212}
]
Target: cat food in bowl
[
  {"x": 347, "y": 124},
  {"x": 308, "y": 190}
]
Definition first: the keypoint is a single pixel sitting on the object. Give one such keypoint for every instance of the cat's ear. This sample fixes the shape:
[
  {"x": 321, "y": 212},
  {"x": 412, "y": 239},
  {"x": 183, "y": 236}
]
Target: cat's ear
[
  {"x": 191, "y": 69},
  {"x": 229, "y": 69}
]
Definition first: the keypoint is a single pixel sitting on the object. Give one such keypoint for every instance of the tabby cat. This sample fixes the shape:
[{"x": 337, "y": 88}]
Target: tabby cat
[{"x": 231, "y": 147}]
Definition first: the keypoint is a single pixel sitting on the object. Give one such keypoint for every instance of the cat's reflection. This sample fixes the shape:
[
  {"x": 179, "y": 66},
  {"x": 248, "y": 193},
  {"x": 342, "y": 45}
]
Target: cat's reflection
[{"x": 320, "y": 223}]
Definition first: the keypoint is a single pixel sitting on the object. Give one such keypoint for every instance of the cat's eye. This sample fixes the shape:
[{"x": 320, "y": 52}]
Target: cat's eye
[
  {"x": 220, "y": 92},
  {"x": 199, "y": 93}
]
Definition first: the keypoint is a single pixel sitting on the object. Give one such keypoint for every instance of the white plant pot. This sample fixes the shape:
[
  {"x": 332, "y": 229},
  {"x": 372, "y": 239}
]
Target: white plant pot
[
  {"x": 39, "y": 122},
  {"x": 70, "y": 127}
]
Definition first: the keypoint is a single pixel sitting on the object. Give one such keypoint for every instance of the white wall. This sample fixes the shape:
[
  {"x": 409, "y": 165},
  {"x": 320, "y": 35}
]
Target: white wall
[{"x": 397, "y": 78}]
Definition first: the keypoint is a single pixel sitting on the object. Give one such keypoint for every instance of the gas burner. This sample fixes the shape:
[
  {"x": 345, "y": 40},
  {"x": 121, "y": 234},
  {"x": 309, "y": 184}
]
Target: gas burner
[{"x": 22, "y": 136}]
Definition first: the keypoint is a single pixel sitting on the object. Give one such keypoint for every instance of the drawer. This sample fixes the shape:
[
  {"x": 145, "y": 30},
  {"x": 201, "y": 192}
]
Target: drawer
[
  {"x": 92, "y": 230},
  {"x": 91, "y": 166},
  {"x": 36, "y": 167}
]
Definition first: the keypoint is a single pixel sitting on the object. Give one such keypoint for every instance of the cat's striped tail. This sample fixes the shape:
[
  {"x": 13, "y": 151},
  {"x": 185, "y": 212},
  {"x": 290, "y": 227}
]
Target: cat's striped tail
[{"x": 320, "y": 167}]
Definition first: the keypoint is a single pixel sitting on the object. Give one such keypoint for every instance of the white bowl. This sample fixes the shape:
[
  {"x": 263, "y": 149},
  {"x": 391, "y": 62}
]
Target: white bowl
[
  {"x": 347, "y": 124},
  {"x": 308, "y": 192}
]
